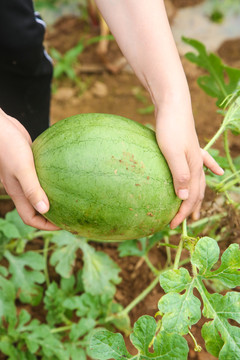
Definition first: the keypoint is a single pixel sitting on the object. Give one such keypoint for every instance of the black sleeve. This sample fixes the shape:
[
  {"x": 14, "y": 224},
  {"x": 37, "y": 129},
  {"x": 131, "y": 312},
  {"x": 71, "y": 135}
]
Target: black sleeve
[
  {"x": 21, "y": 34},
  {"x": 25, "y": 68}
]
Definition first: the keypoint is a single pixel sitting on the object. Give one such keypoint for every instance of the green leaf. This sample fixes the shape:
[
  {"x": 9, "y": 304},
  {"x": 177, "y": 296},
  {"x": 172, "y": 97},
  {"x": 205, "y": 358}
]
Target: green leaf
[
  {"x": 55, "y": 54},
  {"x": 206, "y": 254},
  {"x": 25, "y": 281},
  {"x": 67, "y": 285},
  {"x": 222, "y": 80},
  {"x": 70, "y": 57},
  {"x": 222, "y": 339},
  {"x": 213, "y": 340},
  {"x": 122, "y": 322},
  {"x": 232, "y": 118},
  {"x": 100, "y": 272},
  {"x": 39, "y": 336},
  {"x": 87, "y": 305},
  {"x": 9, "y": 349},
  {"x": 106, "y": 345},
  {"x": 80, "y": 329},
  {"x": 63, "y": 258},
  {"x": 167, "y": 346},
  {"x": 143, "y": 332},
  {"x": 180, "y": 311},
  {"x": 130, "y": 248},
  {"x": 221, "y": 308},
  {"x": 53, "y": 301},
  {"x": 75, "y": 352},
  {"x": 7, "y": 300},
  {"x": 14, "y": 218},
  {"x": 8, "y": 229},
  {"x": 175, "y": 280}
]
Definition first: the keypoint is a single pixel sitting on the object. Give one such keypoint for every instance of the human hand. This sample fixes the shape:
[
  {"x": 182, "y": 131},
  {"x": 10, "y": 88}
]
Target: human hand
[
  {"x": 179, "y": 144},
  {"x": 18, "y": 175}
]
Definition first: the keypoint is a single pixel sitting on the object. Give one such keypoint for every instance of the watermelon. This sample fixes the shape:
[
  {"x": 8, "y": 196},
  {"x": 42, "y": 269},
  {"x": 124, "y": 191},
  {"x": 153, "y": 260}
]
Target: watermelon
[{"x": 105, "y": 177}]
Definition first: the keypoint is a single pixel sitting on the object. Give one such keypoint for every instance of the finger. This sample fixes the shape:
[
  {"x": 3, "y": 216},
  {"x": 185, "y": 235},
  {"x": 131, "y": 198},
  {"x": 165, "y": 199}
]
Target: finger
[
  {"x": 188, "y": 205},
  {"x": 196, "y": 212},
  {"x": 211, "y": 164},
  {"x": 181, "y": 175},
  {"x": 25, "y": 209},
  {"x": 30, "y": 216},
  {"x": 32, "y": 190}
]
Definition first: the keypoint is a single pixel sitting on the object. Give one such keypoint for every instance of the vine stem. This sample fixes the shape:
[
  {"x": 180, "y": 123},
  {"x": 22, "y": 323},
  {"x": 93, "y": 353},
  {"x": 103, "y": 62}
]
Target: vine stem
[
  {"x": 197, "y": 347},
  {"x": 168, "y": 245},
  {"x": 214, "y": 138},
  {"x": 143, "y": 294},
  {"x": 180, "y": 246},
  {"x": 5, "y": 197},
  {"x": 45, "y": 253},
  {"x": 168, "y": 250},
  {"x": 150, "y": 265},
  {"x": 61, "y": 329},
  {"x": 228, "y": 155}
]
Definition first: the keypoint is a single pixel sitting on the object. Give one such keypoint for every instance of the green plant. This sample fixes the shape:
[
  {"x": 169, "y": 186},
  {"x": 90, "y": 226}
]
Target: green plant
[
  {"x": 74, "y": 306},
  {"x": 81, "y": 313},
  {"x": 65, "y": 63},
  {"x": 218, "y": 10},
  {"x": 179, "y": 308}
]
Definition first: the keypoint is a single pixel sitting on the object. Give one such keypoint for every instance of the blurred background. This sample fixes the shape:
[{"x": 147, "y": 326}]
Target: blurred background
[{"x": 91, "y": 74}]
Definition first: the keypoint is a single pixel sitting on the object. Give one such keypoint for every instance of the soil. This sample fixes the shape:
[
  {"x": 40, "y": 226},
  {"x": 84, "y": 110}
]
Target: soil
[{"x": 108, "y": 85}]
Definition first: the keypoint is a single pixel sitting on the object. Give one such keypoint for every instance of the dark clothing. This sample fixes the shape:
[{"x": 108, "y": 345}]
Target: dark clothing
[{"x": 25, "y": 68}]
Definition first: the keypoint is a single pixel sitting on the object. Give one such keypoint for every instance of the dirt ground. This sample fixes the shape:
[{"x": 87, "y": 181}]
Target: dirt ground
[{"x": 103, "y": 91}]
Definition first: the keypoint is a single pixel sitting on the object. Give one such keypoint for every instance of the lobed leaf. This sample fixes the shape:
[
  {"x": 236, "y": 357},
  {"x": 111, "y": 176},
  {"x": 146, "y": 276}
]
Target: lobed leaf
[
  {"x": 75, "y": 352},
  {"x": 180, "y": 312},
  {"x": 86, "y": 305},
  {"x": 215, "y": 83},
  {"x": 53, "y": 303},
  {"x": 221, "y": 308},
  {"x": 63, "y": 258},
  {"x": 14, "y": 218},
  {"x": 100, "y": 272},
  {"x": 167, "y": 346},
  {"x": 107, "y": 345},
  {"x": 143, "y": 333},
  {"x": 175, "y": 280},
  {"x": 39, "y": 336},
  {"x": 131, "y": 248},
  {"x": 7, "y": 300},
  {"x": 206, "y": 254},
  {"x": 25, "y": 281},
  {"x": 84, "y": 326},
  {"x": 222, "y": 338}
]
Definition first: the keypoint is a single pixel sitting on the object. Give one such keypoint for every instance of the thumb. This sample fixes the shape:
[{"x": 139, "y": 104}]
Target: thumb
[
  {"x": 181, "y": 175},
  {"x": 32, "y": 189}
]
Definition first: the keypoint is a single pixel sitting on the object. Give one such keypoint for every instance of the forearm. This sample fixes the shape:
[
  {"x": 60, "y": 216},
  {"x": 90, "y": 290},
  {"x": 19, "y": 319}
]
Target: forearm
[{"x": 142, "y": 31}]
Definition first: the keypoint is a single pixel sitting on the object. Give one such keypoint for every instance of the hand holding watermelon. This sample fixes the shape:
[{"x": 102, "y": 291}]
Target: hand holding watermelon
[{"x": 18, "y": 175}]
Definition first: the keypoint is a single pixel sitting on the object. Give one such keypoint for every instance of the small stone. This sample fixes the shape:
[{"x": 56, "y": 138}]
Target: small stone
[{"x": 99, "y": 89}]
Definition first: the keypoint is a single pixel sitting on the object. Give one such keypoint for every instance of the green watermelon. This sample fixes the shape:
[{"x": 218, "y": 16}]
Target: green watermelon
[{"x": 105, "y": 177}]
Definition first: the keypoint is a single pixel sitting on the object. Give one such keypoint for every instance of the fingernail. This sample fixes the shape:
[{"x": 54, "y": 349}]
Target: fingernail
[
  {"x": 196, "y": 216},
  {"x": 222, "y": 171},
  {"x": 41, "y": 207},
  {"x": 183, "y": 194}
]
